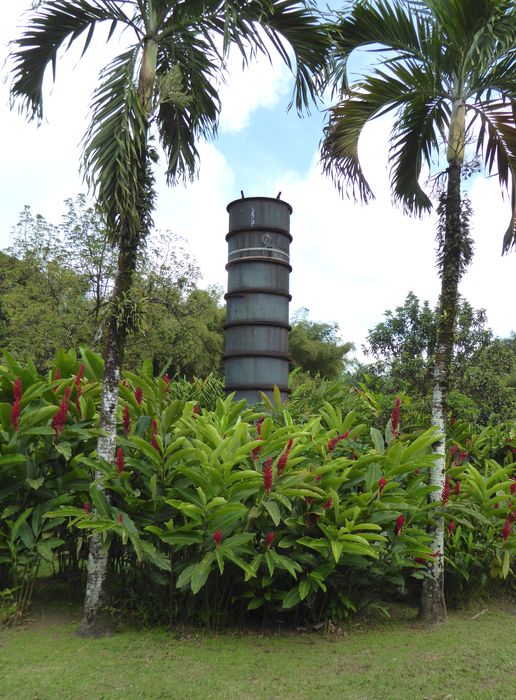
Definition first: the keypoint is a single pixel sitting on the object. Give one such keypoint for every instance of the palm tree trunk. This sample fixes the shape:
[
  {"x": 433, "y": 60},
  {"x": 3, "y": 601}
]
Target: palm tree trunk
[
  {"x": 106, "y": 445},
  {"x": 129, "y": 241},
  {"x": 433, "y": 605}
]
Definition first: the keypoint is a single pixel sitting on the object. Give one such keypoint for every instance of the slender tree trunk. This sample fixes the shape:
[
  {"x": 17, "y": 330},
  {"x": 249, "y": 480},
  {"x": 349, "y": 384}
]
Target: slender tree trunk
[
  {"x": 129, "y": 241},
  {"x": 114, "y": 354},
  {"x": 433, "y": 606}
]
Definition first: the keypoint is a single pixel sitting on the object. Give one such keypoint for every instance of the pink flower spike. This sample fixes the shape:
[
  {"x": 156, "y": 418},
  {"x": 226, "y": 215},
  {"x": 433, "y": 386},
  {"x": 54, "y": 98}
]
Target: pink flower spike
[
  {"x": 79, "y": 375},
  {"x": 57, "y": 374},
  {"x": 269, "y": 539},
  {"x": 395, "y": 417},
  {"x": 17, "y": 389},
  {"x": 217, "y": 537},
  {"x": 121, "y": 519},
  {"x": 15, "y": 414},
  {"x": 197, "y": 410},
  {"x": 328, "y": 504},
  {"x": 451, "y": 527},
  {"x": 86, "y": 507},
  {"x": 59, "y": 419},
  {"x": 381, "y": 484},
  {"x": 126, "y": 419},
  {"x": 456, "y": 488},
  {"x": 154, "y": 432},
  {"x": 120, "y": 461},
  {"x": 400, "y": 522},
  {"x": 282, "y": 461},
  {"x": 138, "y": 395},
  {"x": 333, "y": 442}
]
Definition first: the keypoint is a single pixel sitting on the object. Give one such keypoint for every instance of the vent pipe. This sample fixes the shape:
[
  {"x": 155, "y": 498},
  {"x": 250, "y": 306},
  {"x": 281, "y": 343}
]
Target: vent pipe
[{"x": 256, "y": 340}]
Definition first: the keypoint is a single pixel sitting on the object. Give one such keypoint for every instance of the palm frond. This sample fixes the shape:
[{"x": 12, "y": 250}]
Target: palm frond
[
  {"x": 53, "y": 24},
  {"x": 416, "y": 137},
  {"x": 339, "y": 146},
  {"x": 386, "y": 25},
  {"x": 181, "y": 125},
  {"x": 115, "y": 146},
  {"x": 253, "y": 27},
  {"x": 496, "y": 143}
]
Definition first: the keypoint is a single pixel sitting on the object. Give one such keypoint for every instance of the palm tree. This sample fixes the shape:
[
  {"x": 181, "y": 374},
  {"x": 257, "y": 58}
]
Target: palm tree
[
  {"x": 447, "y": 72},
  {"x": 163, "y": 87}
]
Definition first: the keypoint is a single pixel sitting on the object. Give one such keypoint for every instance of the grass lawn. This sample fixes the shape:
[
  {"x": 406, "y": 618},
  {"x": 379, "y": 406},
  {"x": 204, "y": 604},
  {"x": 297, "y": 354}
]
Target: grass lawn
[{"x": 470, "y": 657}]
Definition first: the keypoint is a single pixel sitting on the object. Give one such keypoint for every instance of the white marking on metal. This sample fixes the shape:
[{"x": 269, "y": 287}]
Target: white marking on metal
[{"x": 269, "y": 250}]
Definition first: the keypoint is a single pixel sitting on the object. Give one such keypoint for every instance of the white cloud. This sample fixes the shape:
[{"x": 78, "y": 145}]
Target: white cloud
[{"x": 261, "y": 84}]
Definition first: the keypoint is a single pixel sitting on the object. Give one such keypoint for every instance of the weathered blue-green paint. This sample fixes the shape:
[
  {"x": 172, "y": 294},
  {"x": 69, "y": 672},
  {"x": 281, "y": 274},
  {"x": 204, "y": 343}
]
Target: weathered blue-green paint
[{"x": 256, "y": 348}]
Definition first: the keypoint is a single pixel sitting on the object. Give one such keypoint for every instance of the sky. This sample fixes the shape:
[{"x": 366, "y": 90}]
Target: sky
[{"x": 350, "y": 262}]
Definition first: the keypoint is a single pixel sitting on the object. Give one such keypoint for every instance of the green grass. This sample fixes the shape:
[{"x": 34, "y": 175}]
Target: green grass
[{"x": 467, "y": 658}]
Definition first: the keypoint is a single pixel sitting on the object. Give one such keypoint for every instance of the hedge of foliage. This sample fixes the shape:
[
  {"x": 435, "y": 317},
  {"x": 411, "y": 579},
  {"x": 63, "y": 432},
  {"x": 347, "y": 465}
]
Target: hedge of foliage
[{"x": 215, "y": 512}]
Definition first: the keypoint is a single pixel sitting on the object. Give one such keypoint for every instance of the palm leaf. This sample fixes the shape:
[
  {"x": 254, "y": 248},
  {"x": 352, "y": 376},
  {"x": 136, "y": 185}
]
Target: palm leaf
[
  {"x": 497, "y": 143},
  {"x": 48, "y": 29},
  {"x": 180, "y": 126},
  {"x": 115, "y": 145},
  {"x": 339, "y": 146},
  {"x": 416, "y": 137}
]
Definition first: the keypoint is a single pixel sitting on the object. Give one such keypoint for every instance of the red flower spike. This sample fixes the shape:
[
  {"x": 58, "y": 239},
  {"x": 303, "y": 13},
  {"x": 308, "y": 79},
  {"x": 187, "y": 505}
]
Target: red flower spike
[
  {"x": 456, "y": 488},
  {"x": 259, "y": 426},
  {"x": 59, "y": 419},
  {"x": 381, "y": 484},
  {"x": 120, "y": 461},
  {"x": 138, "y": 395},
  {"x": 400, "y": 522},
  {"x": 86, "y": 507},
  {"x": 15, "y": 414},
  {"x": 445, "y": 494},
  {"x": 17, "y": 389},
  {"x": 255, "y": 452},
  {"x": 126, "y": 419},
  {"x": 460, "y": 458},
  {"x": 451, "y": 527},
  {"x": 79, "y": 375},
  {"x": 395, "y": 417},
  {"x": 453, "y": 450},
  {"x": 282, "y": 461},
  {"x": 267, "y": 476},
  {"x": 328, "y": 504},
  {"x": 121, "y": 519},
  {"x": 333, "y": 442},
  {"x": 57, "y": 374},
  {"x": 217, "y": 537},
  {"x": 318, "y": 477},
  {"x": 154, "y": 432},
  {"x": 506, "y": 530},
  {"x": 197, "y": 410},
  {"x": 269, "y": 539}
]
